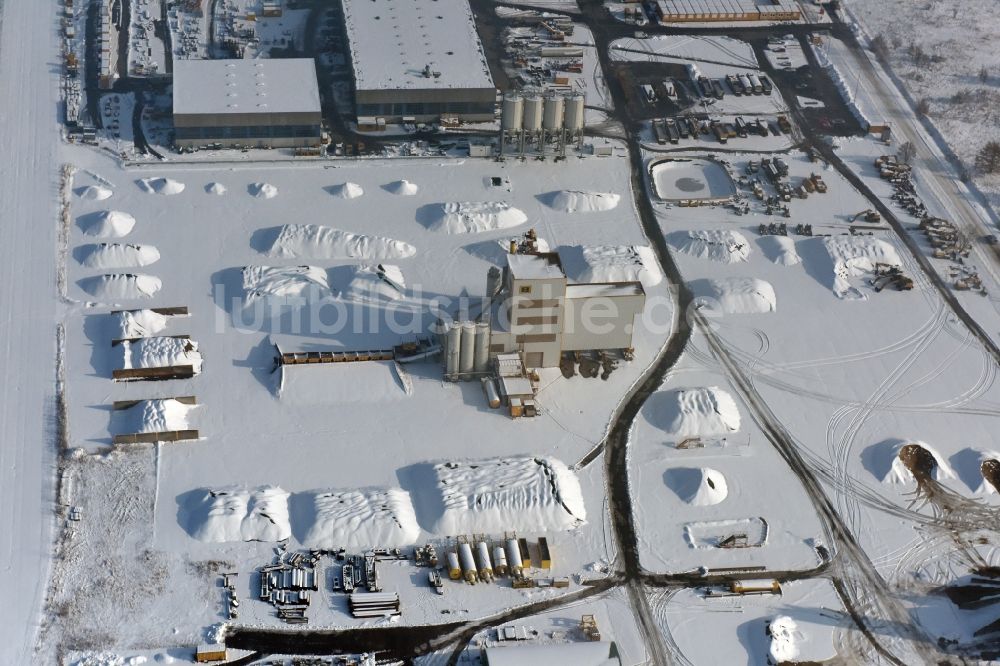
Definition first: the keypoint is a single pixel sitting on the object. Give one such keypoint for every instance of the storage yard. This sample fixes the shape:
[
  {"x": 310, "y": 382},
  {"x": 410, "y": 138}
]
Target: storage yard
[{"x": 426, "y": 332}]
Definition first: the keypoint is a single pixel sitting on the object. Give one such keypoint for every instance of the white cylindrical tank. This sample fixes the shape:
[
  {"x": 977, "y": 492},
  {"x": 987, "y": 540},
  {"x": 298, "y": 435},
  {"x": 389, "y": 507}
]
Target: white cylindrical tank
[
  {"x": 513, "y": 111},
  {"x": 481, "y": 353},
  {"x": 533, "y": 113},
  {"x": 499, "y": 561},
  {"x": 468, "y": 562},
  {"x": 454, "y": 347},
  {"x": 553, "y": 117},
  {"x": 483, "y": 560},
  {"x": 574, "y": 112},
  {"x": 492, "y": 395},
  {"x": 514, "y": 564},
  {"x": 454, "y": 568},
  {"x": 467, "y": 357}
]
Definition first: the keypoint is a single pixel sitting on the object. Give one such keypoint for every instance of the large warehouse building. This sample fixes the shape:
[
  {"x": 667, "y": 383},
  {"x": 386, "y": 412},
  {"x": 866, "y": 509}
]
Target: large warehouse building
[
  {"x": 253, "y": 103},
  {"x": 683, "y": 11},
  {"x": 419, "y": 61}
]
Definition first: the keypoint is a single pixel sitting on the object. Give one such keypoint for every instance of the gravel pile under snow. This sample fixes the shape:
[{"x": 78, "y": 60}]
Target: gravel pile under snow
[
  {"x": 854, "y": 256},
  {"x": 240, "y": 515},
  {"x": 284, "y": 282},
  {"x": 403, "y": 188},
  {"x": 263, "y": 190},
  {"x": 120, "y": 255},
  {"x": 467, "y": 217},
  {"x": 526, "y": 494},
  {"x": 94, "y": 193},
  {"x": 313, "y": 241},
  {"x": 360, "y": 519},
  {"x": 573, "y": 201},
  {"x": 348, "y": 191},
  {"x": 725, "y": 245},
  {"x": 138, "y": 323},
  {"x": 366, "y": 286},
  {"x": 779, "y": 250},
  {"x": 153, "y": 416},
  {"x": 165, "y": 186},
  {"x": 217, "y": 189},
  {"x": 700, "y": 412},
  {"x": 160, "y": 352},
  {"x": 124, "y": 286},
  {"x": 108, "y": 224},
  {"x": 735, "y": 295},
  {"x": 697, "y": 486}
]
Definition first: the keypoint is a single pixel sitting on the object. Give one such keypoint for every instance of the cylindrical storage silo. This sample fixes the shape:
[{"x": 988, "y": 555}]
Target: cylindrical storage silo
[
  {"x": 552, "y": 118},
  {"x": 483, "y": 560},
  {"x": 452, "y": 354},
  {"x": 467, "y": 358},
  {"x": 533, "y": 113},
  {"x": 454, "y": 568},
  {"x": 514, "y": 565},
  {"x": 513, "y": 111},
  {"x": 492, "y": 395},
  {"x": 481, "y": 353},
  {"x": 574, "y": 115},
  {"x": 499, "y": 561},
  {"x": 468, "y": 562}
]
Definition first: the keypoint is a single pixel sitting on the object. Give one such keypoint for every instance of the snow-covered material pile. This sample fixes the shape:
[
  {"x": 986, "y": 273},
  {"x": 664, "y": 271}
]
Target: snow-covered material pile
[
  {"x": 94, "y": 193},
  {"x": 165, "y": 186},
  {"x": 348, "y": 191},
  {"x": 237, "y": 514},
  {"x": 467, "y": 217},
  {"x": 121, "y": 286},
  {"x": 735, "y": 295},
  {"x": 697, "y": 486},
  {"x": 700, "y": 412},
  {"x": 403, "y": 188},
  {"x": 159, "y": 352},
  {"x": 263, "y": 190},
  {"x": 109, "y": 224},
  {"x": 138, "y": 323},
  {"x": 313, "y": 241},
  {"x": 284, "y": 282},
  {"x": 725, "y": 245},
  {"x": 853, "y": 256},
  {"x": 362, "y": 519},
  {"x": 780, "y": 250},
  {"x": 526, "y": 494},
  {"x": 154, "y": 415},
  {"x": 574, "y": 201},
  {"x": 614, "y": 263},
  {"x": 898, "y": 473},
  {"x": 367, "y": 286},
  {"x": 217, "y": 189},
  {"x": 785, "y": 637},
  {"x": 120, "y": 255}
]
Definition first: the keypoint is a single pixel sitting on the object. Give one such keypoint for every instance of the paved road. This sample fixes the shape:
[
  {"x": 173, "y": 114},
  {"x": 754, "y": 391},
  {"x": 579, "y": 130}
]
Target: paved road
[{"x": 28, "y": 141}]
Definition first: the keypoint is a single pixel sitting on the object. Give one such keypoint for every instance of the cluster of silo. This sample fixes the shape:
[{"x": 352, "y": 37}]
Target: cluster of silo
[
  {"x": 533, "y": 118},
  {"x": 465, "y": 349}
]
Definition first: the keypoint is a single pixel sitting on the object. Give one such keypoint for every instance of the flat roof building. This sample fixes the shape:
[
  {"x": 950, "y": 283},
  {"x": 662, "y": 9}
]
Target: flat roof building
[
  {"x": 254, "y": 103},
  {"x": 684, "y": 11},
  {"x": 419, "y": 60}
]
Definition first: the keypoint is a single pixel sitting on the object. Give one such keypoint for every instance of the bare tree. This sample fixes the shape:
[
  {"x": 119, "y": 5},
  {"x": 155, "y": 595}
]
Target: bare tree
[
  {"x": 988, "y": 158},
  {"x": 880, "y": 47},
  {"x": 984, "y": 74},
  {"x": 923, "y": 106},
  {"x": 907, "y": 151}
]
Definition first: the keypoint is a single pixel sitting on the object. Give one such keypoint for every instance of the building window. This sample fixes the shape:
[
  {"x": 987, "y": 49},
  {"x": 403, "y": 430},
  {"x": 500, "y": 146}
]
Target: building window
[{"x": 525, "y": 289}]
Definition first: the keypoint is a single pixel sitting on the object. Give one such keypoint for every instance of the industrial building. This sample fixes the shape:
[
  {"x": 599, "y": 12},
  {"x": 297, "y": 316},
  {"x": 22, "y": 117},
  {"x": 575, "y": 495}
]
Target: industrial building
[
  {"x": 529, "y": 119},
  {"x": 418, "y": 61},
  {"x": 247, "y": 103},
  {"x": 682, "y": 11},
  {"x": 596, "y": 653}
]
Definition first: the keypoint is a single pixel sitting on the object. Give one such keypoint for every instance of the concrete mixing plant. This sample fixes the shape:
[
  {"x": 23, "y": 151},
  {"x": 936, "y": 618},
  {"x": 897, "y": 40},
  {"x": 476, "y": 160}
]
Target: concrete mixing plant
[{"x": 532, "y": 120}]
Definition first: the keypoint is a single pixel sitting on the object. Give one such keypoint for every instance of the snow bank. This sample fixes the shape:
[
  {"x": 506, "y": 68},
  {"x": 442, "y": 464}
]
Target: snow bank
[
  {"x": 403, "y": 188},
  {"x": 367, "y": 286},
  {"x": 284, "y": 282},
  {"x": 217, "y": 189},
  {"x": 780, "y": 250},
  {"x": 120, "y": 255},
  {"x": 612, "y": 263},
  {"x": 845, "y": 88},
  {"x": 93, "y": 193},
  {"x": 121, "y": 286},
  {"x": 109, "y": 224},
  {"x": 785, "y": 637},
  {"x": 154, "y": 415},
  {"x": 165, "y": 186},
  {"x": 362, "y": 519},
  {"x": 263, "y": 190},
  {"x": 240, "y": 515},
  {"x": 735, "y": 295},
  {"x": 159, "y": 352},
  {"x": 314, "y": 241},
  {"x": 725, "y": 245},
  {"x": 466, "y": 217},
  {"x": 574, "y": 201},
  {"x": 700, "y": 412},
  {"x": 526, "y": 494},
  {"x": 349, "y": 191},
  {"x": 697, "y": 486},
  {"x": 899, "y": 472},
  {"x": 138, "y": 323},
  {"x": 854, "y": 256}
]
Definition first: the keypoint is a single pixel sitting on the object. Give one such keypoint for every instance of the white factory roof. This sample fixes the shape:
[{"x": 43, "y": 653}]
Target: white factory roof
[
  {"x": 578, "y": 654},
  {"x": 394, "y": 41},
  {"x": 604, "y": 289},
  {"x": 533, "y": 267},
  {"x": 246, "y": 86}
]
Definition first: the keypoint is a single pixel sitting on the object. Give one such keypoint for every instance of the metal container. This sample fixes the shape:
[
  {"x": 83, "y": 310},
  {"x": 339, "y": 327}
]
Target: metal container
[
  {"x": 483, "y": 560},
  {"x": 452, "y": 353},
  {"x": 481, "y": 352},
  {"x": 467, "y": 357},
  {"x": 533, "y": 113},
  {"x": 499, "y": 561},
  {"x": 574, "y": 116},
  {"x": 513, "y": 111},
  {"x": 553, "y": 116},
  {"x": 514, "y": 565},
  {"x": 492, "y": 395},
  {"x": 468, "y": 562},
  {"x": 454, "y": 569}
]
